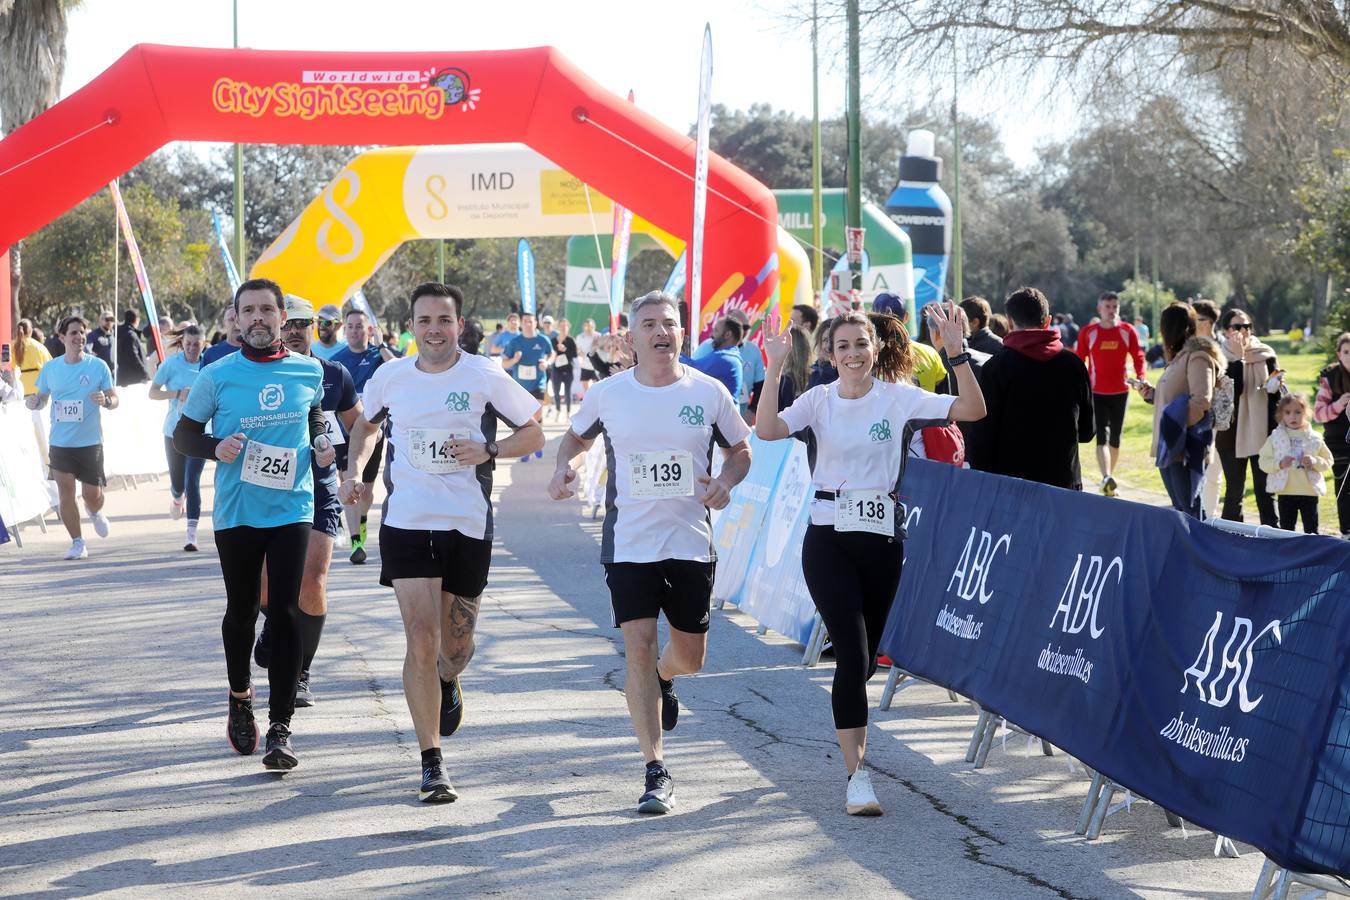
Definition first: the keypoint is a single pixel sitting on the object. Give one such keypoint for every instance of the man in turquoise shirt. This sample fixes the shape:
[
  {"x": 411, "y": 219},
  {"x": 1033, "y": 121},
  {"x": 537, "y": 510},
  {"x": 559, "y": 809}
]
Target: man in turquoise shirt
[
  {"x": 80, "y": 386},
  {"x": 264, "y": 406}
]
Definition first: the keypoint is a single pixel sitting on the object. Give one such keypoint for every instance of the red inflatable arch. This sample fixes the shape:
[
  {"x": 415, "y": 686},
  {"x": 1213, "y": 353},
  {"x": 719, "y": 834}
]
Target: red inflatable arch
[{"x": 157, "y": 94}]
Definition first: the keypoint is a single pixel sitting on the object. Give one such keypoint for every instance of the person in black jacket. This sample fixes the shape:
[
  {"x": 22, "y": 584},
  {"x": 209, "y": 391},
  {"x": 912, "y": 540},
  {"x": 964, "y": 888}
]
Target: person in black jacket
[
  {"x": 131, "y": 367},
  {"x": 1038, "y": 398},
  {"x": 978, "y": 314}
]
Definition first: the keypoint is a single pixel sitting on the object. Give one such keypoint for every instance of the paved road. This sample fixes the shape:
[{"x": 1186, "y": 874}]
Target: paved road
[{"x": 117, "y": 776}]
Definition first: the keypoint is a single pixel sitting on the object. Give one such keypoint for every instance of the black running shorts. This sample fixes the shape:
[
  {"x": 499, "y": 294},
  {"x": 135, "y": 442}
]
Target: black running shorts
[
  {"x": 85, "y": 463},
  {"x": 681, "y": 588},
  {"x": 1109, "y": 410},
  {"x": 461, "y": 563}
]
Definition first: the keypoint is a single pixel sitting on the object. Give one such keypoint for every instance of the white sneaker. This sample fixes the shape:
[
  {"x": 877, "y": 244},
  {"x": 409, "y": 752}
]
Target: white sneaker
[
  {"x": 77, "y": 550},
  {"x": 191, "y": 544},
  {"x": 861, "y": 799},
  {"x": 100, "y": 523},
  {"x": 176, "y": 508}
]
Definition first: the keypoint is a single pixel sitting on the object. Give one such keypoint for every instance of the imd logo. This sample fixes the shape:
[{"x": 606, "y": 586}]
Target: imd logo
[{"x": 271, "y": 397}]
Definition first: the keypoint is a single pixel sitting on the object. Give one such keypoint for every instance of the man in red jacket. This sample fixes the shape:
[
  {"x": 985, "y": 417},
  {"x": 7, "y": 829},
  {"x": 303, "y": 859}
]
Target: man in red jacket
[{"x": 1106, "y": 346}]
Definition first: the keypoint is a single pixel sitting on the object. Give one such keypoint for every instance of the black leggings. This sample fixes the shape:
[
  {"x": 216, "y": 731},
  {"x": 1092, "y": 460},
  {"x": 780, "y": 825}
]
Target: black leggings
[
  {"x": 1235, "y": 483},
  {"x": 852, "y": 577},
  {"x": 242, "y": 550},
  {"x": 561, "y": 378}
]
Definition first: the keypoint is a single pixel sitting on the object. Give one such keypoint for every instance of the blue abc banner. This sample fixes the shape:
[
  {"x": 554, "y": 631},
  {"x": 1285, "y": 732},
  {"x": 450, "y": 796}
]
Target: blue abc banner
[
  {"x": 1201, "y": 669},
  {"x": 525, "y": 271},
  {"x": 775, "y": 591},
  {"x": 737, "y": 527}
]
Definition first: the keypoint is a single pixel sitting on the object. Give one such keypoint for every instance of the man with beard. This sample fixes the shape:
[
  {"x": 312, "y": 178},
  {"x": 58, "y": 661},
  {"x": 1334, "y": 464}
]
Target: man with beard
[
  {"x": 327, "y": 343},
  {"x": 265, "y": 402},
  {"x": 340, "y": 409},
  {"x": 361, "y": 358},
  {"x": 442, "y": 407}
]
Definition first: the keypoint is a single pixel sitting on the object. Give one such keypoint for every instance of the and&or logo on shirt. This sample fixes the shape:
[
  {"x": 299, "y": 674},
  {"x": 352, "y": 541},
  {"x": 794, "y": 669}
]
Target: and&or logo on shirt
[
  {"x": 880, "y": 431},
  {"x": 457, "y": 401},
  {"x": 692, "y": 415},
  {"x": 271, "y": 397}
]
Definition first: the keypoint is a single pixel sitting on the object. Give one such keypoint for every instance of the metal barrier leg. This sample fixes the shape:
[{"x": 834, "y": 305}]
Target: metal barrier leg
[
  {"x": 814, "y": 643},
  {"x": 1265, "y": 881},
  {"x": 1103, "y": 807},
  {"x": 977, "y": 736},
  {"x": 1281, "y": 890},
  {"x": 1173, "y": 819},
  {"x": 1090, "y": 802},
  {"x": 1046, "y": 749},
  {"x": 762, "y": 629},
  {"x": 1225, "y": 848},
  {"x": 888, "y": 692},
  {"x": 991, "y": 729},
  {"x": 953, "y": 696}
]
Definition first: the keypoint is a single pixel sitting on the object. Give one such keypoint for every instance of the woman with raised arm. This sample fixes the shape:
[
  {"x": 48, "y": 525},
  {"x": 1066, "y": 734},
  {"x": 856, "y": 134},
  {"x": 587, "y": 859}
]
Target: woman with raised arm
[{"x": 851, "y": 558}]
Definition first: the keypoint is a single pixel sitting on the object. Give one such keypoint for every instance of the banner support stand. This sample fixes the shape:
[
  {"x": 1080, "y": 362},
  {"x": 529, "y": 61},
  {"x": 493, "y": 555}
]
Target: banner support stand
[{"x": 1274, "y": 883}]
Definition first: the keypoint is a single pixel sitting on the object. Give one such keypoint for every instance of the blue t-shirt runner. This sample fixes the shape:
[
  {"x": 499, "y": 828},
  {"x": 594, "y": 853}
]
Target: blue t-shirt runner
[
  {"x": 175, "y": 375},
  {"x": 270, "y": 483},
  {"x": 530, "y": 371},
  {"x": 75, "y": 417},
  {"x": 218, "y": 351},
  {"x": 361, "y": 365}
]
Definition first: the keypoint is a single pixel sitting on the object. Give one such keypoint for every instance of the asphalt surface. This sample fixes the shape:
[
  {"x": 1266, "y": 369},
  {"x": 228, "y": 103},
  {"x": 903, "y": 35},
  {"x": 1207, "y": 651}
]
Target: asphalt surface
[{"x": 117, "y": 777}]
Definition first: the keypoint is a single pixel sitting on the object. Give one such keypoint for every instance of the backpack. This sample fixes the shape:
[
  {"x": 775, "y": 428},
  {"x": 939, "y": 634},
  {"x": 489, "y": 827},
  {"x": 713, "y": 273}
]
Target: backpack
[
  {"x": 1222, "y": 406},
  {"x": 945, "y": 444}
]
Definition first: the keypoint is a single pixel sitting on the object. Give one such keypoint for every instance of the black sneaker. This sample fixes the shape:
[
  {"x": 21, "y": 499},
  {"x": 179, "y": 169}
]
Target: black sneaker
[
  {"x": 452, "y": 707},
  {"x": 262, "y": 648},
  {"x": 670, "y": 704},
  {"x": 303, "y": 695},
  {"x": 358, "y": 557},
  {"x": 240, "y": 727},
  {"x": 436, "y": 787},
  {"x": 660, "y": 796},
  {"x": 279, "y": 756}
]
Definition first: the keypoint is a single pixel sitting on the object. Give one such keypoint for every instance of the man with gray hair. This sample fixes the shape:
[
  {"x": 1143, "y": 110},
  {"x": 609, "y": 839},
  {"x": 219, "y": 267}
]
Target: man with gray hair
[{"x": 660, "y": 420}]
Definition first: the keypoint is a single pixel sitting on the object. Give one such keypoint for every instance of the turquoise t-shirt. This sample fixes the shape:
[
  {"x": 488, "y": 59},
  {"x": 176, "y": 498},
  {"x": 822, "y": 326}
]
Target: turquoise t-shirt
[
  {"x": 75, "y": 418},
  {"x": 176, "y": 373},
  {"x": 269, "y": 402},
  {"x": 318, "y": 349}
]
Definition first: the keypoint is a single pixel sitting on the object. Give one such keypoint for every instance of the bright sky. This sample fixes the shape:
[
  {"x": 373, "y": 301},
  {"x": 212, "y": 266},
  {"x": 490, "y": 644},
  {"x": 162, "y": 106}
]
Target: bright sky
[{"x": 651, "y": 48}]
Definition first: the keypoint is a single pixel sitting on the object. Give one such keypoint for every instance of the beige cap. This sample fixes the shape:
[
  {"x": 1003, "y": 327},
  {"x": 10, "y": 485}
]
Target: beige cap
[{"x": 298, "y": 307}]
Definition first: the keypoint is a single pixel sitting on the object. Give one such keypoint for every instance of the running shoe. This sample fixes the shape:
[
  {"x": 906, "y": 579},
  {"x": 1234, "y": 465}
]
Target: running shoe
[
  {"x": 100, "y": 523},
  {"x": 77, "y": 550},
  {"x": 660, "y": 795},
  {"x": 861, "y": 799},
  {"x": 436, "y": 787},
  {"x": 452, "y": 707},
  {"x": 262, "y": 648},
  {"x": 279, "y": 756},
  {"x": 176, "y": 508},
  {"x": 303, "y": 695},
  {"x": 358, "y": 557},
  {"x": 670, "y": 704},
  {"x": 190, "y": 545},
  {"x": 240, "y": 727},
  {"x": 1109, "y": 486}
]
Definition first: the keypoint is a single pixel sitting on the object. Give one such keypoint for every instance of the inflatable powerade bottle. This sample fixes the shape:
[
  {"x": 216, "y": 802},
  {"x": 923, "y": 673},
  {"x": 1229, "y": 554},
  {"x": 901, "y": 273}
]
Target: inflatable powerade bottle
[{"x": 920, "y": 206}]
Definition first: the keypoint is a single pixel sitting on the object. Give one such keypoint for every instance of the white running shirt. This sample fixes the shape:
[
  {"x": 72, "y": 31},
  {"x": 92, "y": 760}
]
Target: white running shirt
[
  {"x": 858, "y": 444},
  {"x": 468, "y": 398},
  {"x": 689, "y": 416}
]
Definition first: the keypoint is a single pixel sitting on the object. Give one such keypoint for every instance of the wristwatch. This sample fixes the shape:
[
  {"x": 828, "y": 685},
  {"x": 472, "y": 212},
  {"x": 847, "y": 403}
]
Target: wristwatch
[{"x": 491, "y": 447}]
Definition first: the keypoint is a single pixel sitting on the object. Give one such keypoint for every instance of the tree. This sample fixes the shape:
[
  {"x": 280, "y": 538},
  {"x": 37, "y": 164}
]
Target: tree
[{"x": 33, "y": 60}]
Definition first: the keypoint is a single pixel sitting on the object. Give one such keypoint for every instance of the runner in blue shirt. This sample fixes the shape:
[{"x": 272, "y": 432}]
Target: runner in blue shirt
[
  {"x": 80, "y": 386},
  {"x": 231, "y": 342},
  {"x": 361, "y": 358},
  {"x": 340, "y": 411},
  {"x": 326, "y": 344},
  {"x": 173, "y": 382},
  {"x": 526, "y": 357},
  {"x": 501, "y": 339},
  {"x": 264, "y": 402}
]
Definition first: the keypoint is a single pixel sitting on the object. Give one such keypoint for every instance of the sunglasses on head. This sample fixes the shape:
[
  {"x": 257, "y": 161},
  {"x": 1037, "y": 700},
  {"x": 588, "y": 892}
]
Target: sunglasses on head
[{"x": 1241, "y": 326}]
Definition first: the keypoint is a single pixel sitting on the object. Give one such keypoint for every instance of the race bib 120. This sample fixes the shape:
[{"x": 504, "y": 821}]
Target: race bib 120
[
  {"x": 69, "y": 410},
  {"x": 429, "y": 450},
  {"x": 662, "y": 474},
  {"x": 869, "y": 511},
  {"x": 268, "y": 466}
]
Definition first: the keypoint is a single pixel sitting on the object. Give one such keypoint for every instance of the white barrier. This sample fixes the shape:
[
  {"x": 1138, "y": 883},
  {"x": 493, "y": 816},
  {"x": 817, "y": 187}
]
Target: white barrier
[
  {"x": 133, "y": 434},
  {"x": 23, "y": 491}
]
